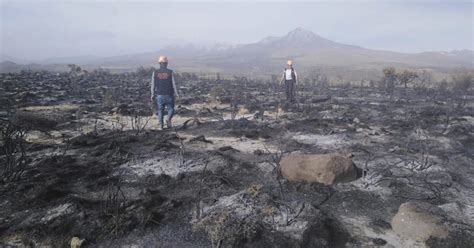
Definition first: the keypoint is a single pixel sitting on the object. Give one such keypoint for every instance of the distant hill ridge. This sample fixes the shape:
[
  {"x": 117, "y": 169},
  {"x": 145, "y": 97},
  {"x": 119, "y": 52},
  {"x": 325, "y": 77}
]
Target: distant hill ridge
[{"x": 307, "y": 49}]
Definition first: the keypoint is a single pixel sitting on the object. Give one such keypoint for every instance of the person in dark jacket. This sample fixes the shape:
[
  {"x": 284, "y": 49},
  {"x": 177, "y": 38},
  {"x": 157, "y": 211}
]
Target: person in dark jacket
[
  {"x": 291, "y": 79},
  {"x": 163, "y": 91}
]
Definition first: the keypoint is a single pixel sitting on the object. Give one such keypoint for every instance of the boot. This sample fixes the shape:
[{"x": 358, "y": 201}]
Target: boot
[{"x": 169, "y": 124}]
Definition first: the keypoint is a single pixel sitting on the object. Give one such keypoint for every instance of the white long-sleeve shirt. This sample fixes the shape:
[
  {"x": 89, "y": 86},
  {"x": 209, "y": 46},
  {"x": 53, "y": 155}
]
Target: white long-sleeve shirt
[{"x": 287, "y": 75}]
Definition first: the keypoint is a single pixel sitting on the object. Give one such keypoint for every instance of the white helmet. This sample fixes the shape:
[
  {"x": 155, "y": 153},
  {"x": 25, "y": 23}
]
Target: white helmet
[{"x": 163, "y": 59}]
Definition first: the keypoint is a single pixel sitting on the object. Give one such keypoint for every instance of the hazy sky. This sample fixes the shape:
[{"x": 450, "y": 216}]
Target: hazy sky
[{"x": 45, "y": 29}]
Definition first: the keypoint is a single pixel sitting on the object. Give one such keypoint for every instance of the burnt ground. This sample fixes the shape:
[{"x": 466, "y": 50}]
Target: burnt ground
[{"x": 94, "y": 165}]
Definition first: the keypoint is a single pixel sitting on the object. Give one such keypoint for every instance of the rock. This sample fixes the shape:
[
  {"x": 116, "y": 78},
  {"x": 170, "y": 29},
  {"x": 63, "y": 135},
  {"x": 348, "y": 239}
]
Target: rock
[
  {"x": 15, "y": 240},
  {"x": 200, "y": 138},
  {"x": 258, "y": 152},
  {"x": 318, "y": 99},
  {"x": 322, "y": 168},
  {"x": 419, "y": 221},
  {"x": 455, "y": 211},
  {"x": 379, "y": 241},
  {"x": 114, "y": 110},
  {"x": 87, "y": 140},
  {"x": 356, "y": 120},
  {"x": 373, "y": 133},
  {"x": 381, "y": 224},
  {"x": 394, "y": 149},
  {"x": 243, "y": 111},
  {"x": 59, "y": 211},
  {"x": 76, "y": 242},
  {"x": 227, "y": 148},
  {"x": 440, "y": 178}
]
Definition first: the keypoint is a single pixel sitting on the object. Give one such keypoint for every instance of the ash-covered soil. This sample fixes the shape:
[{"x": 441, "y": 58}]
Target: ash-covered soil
[{"x": 90, "y": 164}]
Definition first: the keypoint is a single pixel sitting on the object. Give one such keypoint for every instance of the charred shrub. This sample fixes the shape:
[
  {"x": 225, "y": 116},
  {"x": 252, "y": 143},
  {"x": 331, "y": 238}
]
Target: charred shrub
[
  {"x": 114, "y": 209},
  {"x": 462, "y": 84},
  {"x": 34, "y": 121},
  {"x": 13, "y": 156}
]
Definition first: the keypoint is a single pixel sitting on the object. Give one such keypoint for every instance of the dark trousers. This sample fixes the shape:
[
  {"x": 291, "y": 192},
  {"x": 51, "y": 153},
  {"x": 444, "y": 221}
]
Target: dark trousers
[
  {"x": 165, "y": 101},
  {"x": 290, "y": 90}
]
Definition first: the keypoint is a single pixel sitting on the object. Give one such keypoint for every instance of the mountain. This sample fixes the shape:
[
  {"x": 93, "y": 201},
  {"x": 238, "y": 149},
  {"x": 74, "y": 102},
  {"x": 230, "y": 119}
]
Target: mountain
[
  {"x": 67, "y": 60},
  {"x": 62, "y": 60},
  {"x": 11, "y": 59},
  {"x": 310, "y": 50},
  {"x": 300, "y": 39},
  {"x": 306, "y": 48},
  {"x": 9, "y": 66}
]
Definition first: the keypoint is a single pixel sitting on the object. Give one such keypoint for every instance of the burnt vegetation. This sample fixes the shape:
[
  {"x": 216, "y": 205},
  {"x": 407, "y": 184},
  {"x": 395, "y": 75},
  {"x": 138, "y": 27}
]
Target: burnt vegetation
[{"x": 81, "y": 157}]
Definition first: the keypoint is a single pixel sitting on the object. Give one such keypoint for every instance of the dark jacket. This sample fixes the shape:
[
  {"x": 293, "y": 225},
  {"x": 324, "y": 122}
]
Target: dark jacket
[{"x": 162, "y": 82}]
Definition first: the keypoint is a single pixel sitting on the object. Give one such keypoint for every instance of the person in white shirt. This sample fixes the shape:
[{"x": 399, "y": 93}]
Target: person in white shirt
[{"x": 290, "y": 78}]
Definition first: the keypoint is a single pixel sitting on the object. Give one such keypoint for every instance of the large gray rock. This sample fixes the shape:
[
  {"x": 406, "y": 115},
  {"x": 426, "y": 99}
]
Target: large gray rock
[
  {"x": 419, "y": 221},
  {"x": 76, "y": 242},
  {"x": 322, "y": 168}
]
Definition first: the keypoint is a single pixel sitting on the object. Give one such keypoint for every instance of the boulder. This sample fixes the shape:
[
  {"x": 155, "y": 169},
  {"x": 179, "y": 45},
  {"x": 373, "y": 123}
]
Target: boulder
[
  {"x": 419, "y": 221},
  {"x": 327, "y": 169},
  {"x": 76, "y": 242}
]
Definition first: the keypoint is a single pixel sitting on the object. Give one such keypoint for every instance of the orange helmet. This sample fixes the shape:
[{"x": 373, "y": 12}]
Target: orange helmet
[
  {"x": 163, "y": 59},
  {"x": 289, "y": 62}
]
